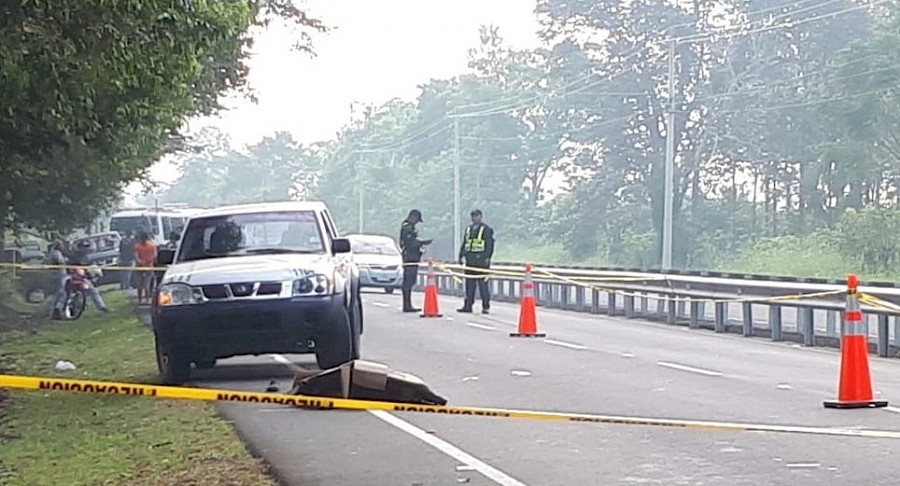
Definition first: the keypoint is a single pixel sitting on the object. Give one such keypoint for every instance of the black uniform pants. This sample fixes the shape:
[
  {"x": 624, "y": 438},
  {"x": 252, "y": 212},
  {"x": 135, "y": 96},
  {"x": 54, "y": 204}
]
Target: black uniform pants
[
  {"x": 474, "y": 279},
  {"x": 410, "y": 274}
]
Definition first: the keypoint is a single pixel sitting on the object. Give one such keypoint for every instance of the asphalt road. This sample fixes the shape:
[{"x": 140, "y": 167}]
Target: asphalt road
[{"x": 587, "y": 364}]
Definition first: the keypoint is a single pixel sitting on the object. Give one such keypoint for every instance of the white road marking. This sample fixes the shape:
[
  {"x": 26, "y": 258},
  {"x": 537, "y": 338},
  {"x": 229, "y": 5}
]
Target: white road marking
[
  {"x": 691, "y": 369},
  {"x": 381, "y": 304},
  {"x": 485, "y": 469},
  {"x": 483, "y": 327},
  {"x": 628, "y": 355},
  {"x": 892, "y": 409},
  {"x": 564, "y": 344}
]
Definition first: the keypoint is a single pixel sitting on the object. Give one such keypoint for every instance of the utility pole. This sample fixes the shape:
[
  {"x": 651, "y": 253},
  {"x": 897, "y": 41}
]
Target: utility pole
[
  {"x": 456, "y": 223},
  {"x": 361, "y": 190},
  {"x": 668, "y": 190}
]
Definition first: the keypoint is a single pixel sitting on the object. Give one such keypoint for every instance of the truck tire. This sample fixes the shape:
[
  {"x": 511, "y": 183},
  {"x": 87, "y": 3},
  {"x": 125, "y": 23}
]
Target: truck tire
[
  {"x": 336, "y": 347},
  {"x": 173, "y": 363}
]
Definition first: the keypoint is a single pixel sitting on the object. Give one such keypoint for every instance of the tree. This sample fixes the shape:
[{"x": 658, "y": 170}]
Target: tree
[{"x": 93, "y": 90}]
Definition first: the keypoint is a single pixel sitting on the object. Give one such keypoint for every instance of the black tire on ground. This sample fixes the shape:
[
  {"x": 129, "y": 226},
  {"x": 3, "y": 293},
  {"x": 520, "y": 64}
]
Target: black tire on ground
[
  {"x": 35, "y": 296},
  {"x": 335, "y": 347},
  {"x": 389, "y": 291},
  {"x": 76, "y": 301},
  {"x": 205, "y": 364},
  {"x": 173, "y": 363}
]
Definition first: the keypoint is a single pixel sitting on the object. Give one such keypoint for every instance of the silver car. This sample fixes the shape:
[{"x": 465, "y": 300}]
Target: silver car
[{"x": 379, "y": 261}]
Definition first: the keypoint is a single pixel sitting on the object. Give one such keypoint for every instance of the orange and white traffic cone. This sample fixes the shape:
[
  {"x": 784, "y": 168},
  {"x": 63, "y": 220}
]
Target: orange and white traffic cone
[
  {"x": 431, "y": 308},
  {"x": 527, "y": 309},
  {"x": 855, "y": 388}
]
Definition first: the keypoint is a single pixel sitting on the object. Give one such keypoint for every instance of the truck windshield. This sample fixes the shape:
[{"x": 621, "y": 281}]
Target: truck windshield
[
  {"x": 134, "y": 224},
  {"x": 251, "y": 234}
]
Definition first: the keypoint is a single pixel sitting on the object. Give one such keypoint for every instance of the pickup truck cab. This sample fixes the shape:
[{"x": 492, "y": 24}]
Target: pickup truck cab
[{"x": 257, "y": 279}]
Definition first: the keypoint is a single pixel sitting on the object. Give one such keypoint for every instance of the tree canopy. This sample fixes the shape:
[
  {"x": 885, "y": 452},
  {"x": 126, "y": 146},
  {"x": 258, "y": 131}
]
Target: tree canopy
[
  {"x": 93, "y": 91},
  {"x": 785, "y": 118}
]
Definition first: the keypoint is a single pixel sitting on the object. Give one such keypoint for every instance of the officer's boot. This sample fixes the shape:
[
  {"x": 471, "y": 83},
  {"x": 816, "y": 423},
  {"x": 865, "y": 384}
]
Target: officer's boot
[{"x": 407, "y": 301}]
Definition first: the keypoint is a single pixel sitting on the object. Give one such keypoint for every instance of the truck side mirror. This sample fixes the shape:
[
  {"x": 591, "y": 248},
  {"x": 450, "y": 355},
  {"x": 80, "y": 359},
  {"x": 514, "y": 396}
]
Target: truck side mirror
[
  {"x": 165, "y": 257},
  {"x": 340, "y": 245}
]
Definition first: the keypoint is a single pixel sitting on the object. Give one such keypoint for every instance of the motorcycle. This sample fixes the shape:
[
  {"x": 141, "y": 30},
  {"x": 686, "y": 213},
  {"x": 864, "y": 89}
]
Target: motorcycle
[{"x": 77, "y": 287}]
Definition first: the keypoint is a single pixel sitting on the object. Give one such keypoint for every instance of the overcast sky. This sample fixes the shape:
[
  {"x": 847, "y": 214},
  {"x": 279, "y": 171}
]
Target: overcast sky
[{"x": 376, "y": 51}]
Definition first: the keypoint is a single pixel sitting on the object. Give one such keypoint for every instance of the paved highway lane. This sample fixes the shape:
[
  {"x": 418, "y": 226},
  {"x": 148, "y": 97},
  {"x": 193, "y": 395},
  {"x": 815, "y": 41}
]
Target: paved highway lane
[{"x": 589, "y": 364}]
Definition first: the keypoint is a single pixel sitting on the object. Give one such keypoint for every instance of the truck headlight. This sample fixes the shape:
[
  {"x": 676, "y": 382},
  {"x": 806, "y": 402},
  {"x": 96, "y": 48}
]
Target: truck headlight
[
  {"x": 316, "y": 284},
  {"x": 175, "y": 294}
]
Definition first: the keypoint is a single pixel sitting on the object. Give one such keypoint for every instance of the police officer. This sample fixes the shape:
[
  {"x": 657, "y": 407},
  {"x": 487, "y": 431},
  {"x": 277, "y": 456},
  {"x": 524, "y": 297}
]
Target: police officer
[
  {"x": 476, "y": 251},
  {"x": 412, "y": 248}
]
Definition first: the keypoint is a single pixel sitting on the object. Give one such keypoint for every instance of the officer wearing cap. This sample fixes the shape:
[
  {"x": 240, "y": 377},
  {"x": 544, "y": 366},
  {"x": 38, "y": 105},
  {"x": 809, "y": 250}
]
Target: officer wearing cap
[
  {"x": 411, "y": 248},
  {"x": 476, "y": 252}
]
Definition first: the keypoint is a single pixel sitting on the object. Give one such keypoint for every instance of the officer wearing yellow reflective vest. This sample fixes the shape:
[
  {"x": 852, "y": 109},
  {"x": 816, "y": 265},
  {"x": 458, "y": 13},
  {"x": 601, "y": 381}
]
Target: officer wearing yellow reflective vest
[{"x": 476, "y": 252}]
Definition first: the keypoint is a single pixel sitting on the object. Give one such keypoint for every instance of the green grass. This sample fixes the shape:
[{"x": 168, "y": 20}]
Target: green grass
[{"x": 80, "y": 439}]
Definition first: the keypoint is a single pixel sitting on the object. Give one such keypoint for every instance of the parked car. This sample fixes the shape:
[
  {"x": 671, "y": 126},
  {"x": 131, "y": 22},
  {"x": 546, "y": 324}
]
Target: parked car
[
  {"x": 27, "y": 253},
  {"x": 379, "y": 261},
  {"x": 257, "y": 279}
]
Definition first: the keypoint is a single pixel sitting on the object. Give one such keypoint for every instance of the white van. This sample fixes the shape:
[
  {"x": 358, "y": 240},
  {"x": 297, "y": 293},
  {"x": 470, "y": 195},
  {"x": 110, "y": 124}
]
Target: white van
[{"x": 158, "y": 223}]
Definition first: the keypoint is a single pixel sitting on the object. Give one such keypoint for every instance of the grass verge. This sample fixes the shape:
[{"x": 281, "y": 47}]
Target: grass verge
[{"x": 77, "y": 439}]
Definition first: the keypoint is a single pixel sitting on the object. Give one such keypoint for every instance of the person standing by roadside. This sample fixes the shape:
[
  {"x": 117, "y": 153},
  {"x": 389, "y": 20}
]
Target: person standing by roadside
[
  {"x": 411, "y": 248},
  {"x": 145, "y": 256},
  {"x": 476, "y": 252},
  {"x": 126, "y": 259},
  {"x": 57, "y": 257}
]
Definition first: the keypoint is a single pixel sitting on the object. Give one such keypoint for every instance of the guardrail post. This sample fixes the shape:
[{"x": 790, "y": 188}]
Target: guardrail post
[
  {"x": 595, "y": 301},
  {"x": 629, "y": 305},
  {"x": 775, "y": 322},
  {"x": 897, "y": 331},
  {"x": 564, "y": 294},
  {"x": 721, "y": 316},
  {"x": 660, "y": 305},
  {"x": 883, "y": 330},
  {"x": 645, "y": 304},
  {"x": 809, "y": 325},
  {"x": 695, "y": 315},
  {"x": 672, "y": 314},
  {"x": 579, "y": 298},
  {"x": 538, "y": 293},
  {"x": 611, "y": 304},
  {"x": 747, "y": 311},
  {"x": 831, "y": 323}
]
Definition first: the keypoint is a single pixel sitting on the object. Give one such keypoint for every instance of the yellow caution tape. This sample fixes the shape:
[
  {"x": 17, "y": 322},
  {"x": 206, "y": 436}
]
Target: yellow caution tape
[
  {"x": 876, "y": 302},
  {"x": 307, "y": 402},
  {"x": 693, "y": 299}
]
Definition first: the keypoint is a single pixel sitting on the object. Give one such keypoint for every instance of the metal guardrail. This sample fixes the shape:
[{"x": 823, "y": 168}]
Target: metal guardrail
[{"x": 778, "y": 308}]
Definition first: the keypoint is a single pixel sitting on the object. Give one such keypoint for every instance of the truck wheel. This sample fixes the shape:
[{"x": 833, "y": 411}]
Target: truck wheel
[
  {"x": 173, "y": 363},
  {"x": 336, "y": 347}
]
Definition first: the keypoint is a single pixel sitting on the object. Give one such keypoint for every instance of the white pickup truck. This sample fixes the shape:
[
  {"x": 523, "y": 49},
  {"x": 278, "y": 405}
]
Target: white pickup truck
[{"x": 257, "y": 279}]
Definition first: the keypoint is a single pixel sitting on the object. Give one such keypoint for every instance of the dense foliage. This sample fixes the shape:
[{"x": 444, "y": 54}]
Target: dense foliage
[
  {"x": 93, "y": 91},
  {"x": 786, "y": 126}
]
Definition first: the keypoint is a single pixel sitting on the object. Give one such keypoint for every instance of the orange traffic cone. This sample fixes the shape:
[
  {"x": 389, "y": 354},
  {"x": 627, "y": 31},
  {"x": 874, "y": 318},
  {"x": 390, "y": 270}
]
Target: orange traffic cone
[
  {"x": 855, "y": 388},
  {"x": 527, "y": 313},
  {"x": 431, "y": 293}
]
